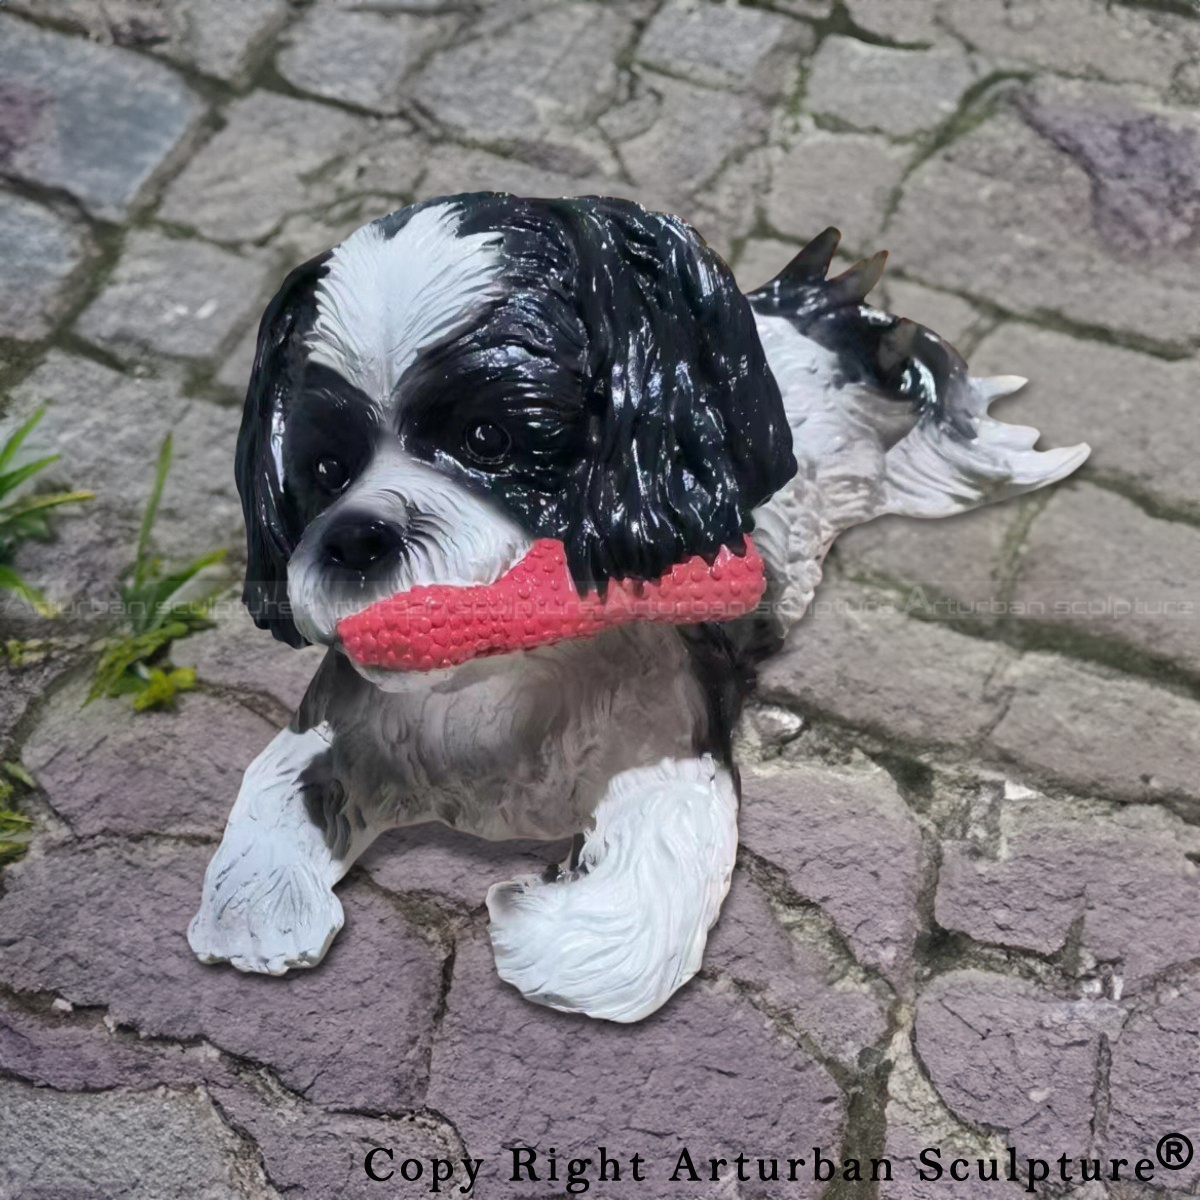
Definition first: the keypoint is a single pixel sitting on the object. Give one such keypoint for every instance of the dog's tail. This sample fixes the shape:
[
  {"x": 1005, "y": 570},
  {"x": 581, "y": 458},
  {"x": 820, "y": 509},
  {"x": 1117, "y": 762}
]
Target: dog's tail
[{"x": 885, "y": 418}]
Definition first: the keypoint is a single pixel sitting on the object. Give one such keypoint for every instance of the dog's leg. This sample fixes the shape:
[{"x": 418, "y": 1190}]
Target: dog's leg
[
  {"x": 624, "y": 922},
  {"x": 268, "y": 901}
]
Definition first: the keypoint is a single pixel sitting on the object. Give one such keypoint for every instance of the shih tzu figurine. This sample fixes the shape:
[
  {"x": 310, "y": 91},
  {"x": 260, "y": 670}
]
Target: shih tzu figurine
[{"x": 547, "y": 485}]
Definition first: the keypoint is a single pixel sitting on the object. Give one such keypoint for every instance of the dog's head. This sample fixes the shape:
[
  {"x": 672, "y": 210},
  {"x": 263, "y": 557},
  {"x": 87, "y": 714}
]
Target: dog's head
[{"x": 470, "y": 375}]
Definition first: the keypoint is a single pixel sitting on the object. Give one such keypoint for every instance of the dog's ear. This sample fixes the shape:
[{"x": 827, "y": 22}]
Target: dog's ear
[
  {"x": 273, "y": 526},
  {"x": 686, "y": 427}
]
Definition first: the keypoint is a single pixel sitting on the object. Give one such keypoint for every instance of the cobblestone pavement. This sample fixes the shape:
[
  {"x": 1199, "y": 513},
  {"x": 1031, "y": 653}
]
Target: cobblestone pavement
[{"x": 967, "y": 908}]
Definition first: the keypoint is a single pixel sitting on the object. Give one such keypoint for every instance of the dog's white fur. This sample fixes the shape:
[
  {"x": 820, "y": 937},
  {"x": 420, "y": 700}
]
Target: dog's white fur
[
  {"x": 618, "y": 940},
  {"x": 385, "y": 298},
  {"x": 272, "y": 878}
]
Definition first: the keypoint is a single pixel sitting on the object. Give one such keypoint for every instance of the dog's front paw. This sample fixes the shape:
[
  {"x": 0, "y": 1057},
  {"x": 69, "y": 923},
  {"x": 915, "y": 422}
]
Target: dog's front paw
[
  {"x": 264, "y": 916},
  {"x": 615, "y": 935}
]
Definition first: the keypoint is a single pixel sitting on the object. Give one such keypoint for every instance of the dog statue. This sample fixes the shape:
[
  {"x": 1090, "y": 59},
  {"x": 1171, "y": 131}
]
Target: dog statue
[{"x": 548, "y": 485}]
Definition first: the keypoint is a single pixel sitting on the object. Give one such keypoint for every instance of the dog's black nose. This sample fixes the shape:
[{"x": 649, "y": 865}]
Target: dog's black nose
[{"x": 360, "y": 543}]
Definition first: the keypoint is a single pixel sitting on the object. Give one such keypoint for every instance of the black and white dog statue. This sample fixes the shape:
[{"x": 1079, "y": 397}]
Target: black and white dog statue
[{"x": 473, "y": 376}]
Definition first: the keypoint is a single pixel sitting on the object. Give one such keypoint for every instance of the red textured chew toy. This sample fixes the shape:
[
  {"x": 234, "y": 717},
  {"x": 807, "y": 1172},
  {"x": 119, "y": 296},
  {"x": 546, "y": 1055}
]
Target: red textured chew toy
[{"x": 536, "y": 603}]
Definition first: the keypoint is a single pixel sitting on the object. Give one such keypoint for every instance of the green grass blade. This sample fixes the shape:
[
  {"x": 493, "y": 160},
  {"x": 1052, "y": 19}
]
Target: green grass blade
[
  {"x": 30, "y": 504},
  {"x": 14, "y": 770},
  {"x": 18, "y": 475},
  {"x": 10, "y": 447},
  {"x": 13, "y": 822},
  {"x": 166, "y": 588},
  {"x": 12, "y": 582},
  {"x": 148, "y": 517},
  {"x": 122, "y": 656}
]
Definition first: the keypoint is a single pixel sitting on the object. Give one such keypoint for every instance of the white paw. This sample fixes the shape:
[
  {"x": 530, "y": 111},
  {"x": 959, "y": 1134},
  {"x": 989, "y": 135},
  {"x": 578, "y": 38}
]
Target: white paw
[
  {"x": 617, "y": 936},
  {"x": 264, "y": 916}
]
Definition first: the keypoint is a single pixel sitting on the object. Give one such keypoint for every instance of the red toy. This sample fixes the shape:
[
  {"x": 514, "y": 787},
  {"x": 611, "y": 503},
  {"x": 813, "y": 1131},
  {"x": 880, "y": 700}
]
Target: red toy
[{"x": 535, "y": 603}]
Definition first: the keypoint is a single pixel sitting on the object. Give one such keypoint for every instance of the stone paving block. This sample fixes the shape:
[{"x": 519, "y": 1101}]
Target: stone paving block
[
  {"x": 108, "y": 769},
  {"x": 172, "y": 296},
  {"x": 200, "y": 506},
  {"x": 313, "y": 1155},
  {"x": 761, "y": 260},
  {"x": 299, "y": 238},
  {"x": 217, "y": 37},
  {"x": 238, "y": 366},
  {"x": 1006, "y": 1055},
  {"x": 916, "y": 1118},
  {"x": 847, "y": 842},
  {"x": 1138, "y": 412},
  {"x": 22, "y": 684},
  {"x": 635, "y": 111},
  {"x": 112, "y": 1144},
  {"x": 94, "y": 121},
  {"x": 360, "y": 57},
  {"x": 961, "y": 558},
  {"x": 910, "y": 21},
  {"x": 434, "y": 858},
  {"x": 695, "y": 133},
  {"x": 236, "y": 654},
  {"x": 816, "y": 9},
  {"x": 1098, "y": 732},
  {"x": 1143, "y": 159},
  {"x": 898, "y": 92},
  {"x": 1077, "y": 37},
  {"x": 908, "y": 1137},
  {"x": 793, "y": 970},
  {"x": 76, "y": 1052},
  {"x": 726, "y": 210},
  {"x": 842, "y": 179},
  {"x": 490, "y": 17},
  {"x": 949, "y": 316},
  {"x": 450, "y": 169},
  {"x": 725, "y": 46},
  {"x": 378, "y": 178},
  {"x": 41, "y": 251},
  {"x": 1126, "y": 874},
  {"x": 106, "y": 925},
  {"x": 494, "y": 9},
  {"x": 1155, "y": 1077},
  {"x": 856, "y": 657},
  {"x": 1003, "y": 213},
  {"x": 538, "y": 82},
  {"x": 507, "y": 1072},
  {"x": 108, "y": 427},
  {"x": 1096, "y": 562},
  {"x": 276, "y": 156}
]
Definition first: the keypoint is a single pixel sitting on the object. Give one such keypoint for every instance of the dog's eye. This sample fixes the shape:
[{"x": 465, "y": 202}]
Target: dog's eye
[
  {"x": 486, "y": 443},
  {"x": 331, "y": 474}
]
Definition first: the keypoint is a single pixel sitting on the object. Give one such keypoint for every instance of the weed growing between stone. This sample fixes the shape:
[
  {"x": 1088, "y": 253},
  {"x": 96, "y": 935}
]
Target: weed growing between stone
[
  {"x": 16, "y": 831},
  {"x": 136, "y": 657},
  {"x": 25, "y": 517}
]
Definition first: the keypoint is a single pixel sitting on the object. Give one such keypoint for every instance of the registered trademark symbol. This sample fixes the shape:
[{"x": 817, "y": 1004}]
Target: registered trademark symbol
[{"x": 1174, "y": 1151}]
